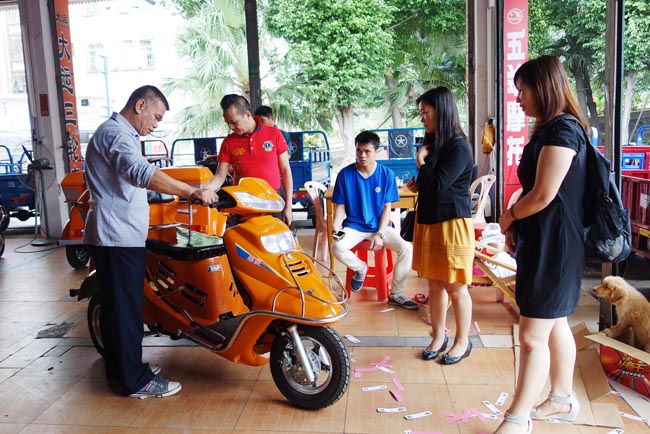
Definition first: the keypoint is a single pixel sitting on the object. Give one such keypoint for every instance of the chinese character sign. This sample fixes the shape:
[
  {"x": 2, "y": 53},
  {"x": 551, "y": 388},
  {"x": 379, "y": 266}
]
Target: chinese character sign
[
  {"x": 66, "y": 84},
  {"x": 515, "y": 130}
]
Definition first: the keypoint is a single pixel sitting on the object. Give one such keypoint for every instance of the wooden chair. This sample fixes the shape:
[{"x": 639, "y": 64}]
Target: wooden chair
[
  {"x": 316, "y": 190},
  {"x": 485, "y": 182},
  {"x": 487, "y": 264}
]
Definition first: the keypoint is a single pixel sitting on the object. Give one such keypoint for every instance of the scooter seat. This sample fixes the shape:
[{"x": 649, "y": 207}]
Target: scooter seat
[
  {"x": 156, "y": 197},
  {"x": 188, "y": 247}
]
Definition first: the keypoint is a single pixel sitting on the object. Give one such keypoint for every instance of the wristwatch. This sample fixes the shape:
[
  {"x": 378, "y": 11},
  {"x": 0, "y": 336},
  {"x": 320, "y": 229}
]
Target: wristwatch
[{"x": 381, "y": 234}]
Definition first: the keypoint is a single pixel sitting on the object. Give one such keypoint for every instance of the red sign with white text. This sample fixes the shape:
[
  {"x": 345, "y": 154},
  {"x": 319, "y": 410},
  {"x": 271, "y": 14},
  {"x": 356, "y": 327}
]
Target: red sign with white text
[
  {"x": 66, "y": 84},
  {"x": 515, "y": 127}
]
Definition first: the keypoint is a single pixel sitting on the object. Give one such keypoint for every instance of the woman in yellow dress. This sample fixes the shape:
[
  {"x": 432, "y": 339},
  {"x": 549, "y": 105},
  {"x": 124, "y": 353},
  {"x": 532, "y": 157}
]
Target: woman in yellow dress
[{"x": 443, "y": 242}]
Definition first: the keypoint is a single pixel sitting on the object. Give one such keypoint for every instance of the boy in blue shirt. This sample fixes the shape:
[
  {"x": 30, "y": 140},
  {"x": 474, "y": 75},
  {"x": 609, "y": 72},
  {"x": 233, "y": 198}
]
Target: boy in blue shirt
[{"x": 363, "y": 194}]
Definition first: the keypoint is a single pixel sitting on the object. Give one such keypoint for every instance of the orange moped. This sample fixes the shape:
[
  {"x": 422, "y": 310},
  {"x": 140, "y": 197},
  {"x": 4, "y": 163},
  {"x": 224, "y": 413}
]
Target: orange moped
[{"x": 252, "y": 295}]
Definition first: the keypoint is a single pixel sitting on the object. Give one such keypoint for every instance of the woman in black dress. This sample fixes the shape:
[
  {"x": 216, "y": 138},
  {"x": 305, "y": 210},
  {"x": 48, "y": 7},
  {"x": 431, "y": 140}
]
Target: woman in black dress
[{"x": 548, "y": 247}]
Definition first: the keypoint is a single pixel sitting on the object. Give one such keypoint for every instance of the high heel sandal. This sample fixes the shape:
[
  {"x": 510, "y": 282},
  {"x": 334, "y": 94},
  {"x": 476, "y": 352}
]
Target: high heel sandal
[
  {"x": 520, "y": 419},
  {"x": 571, "y": 416}
]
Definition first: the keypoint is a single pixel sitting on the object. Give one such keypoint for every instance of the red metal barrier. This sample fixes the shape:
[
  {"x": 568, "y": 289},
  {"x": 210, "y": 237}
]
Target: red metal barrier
[{"x": 635, "y": 194}]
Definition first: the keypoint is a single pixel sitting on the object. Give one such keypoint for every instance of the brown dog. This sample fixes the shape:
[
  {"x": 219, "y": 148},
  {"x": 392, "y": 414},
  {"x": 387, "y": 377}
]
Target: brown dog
[{"x": 632, "y": 308}]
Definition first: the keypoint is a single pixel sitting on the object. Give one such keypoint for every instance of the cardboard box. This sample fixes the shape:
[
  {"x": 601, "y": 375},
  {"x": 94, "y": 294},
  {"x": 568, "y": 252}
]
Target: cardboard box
[{"x": 624, "y": 363}]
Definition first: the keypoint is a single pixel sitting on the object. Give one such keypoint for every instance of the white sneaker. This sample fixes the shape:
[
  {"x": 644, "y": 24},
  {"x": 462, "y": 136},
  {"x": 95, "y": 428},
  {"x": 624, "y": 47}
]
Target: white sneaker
[
  {"x": 159, "y": 387},
  {"x": 401, "y": 301}
]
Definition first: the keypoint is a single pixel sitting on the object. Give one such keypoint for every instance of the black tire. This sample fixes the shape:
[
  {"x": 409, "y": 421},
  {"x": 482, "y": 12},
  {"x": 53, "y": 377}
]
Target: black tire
[
  {"x": 94, "y": 315},
  {"x": 2, "y": 245},
  {"x": 77, "y": 255},
  {"x": 4, "y": 218},
  {"x": 330, "y": 361}
]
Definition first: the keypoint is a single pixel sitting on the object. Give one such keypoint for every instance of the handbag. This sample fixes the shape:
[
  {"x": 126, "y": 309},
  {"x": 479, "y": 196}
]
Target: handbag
[{"x": 408, "y": 225}]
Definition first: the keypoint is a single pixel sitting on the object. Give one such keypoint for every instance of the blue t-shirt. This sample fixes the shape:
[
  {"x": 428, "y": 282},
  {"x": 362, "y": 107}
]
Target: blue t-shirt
[{"x": 364, "y": 198}]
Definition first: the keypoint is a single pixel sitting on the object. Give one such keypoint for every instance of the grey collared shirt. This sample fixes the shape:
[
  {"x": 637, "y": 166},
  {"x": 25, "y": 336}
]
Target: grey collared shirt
[{"x": 117, "y": 176}]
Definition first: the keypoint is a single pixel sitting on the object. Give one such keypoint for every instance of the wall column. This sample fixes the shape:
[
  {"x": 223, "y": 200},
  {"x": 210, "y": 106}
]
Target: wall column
[{"x": 45, "y": 116}]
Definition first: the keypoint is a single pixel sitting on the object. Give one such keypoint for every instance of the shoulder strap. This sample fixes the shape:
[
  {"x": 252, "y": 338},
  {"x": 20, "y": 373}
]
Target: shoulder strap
[{"x": 590, "y": 151}]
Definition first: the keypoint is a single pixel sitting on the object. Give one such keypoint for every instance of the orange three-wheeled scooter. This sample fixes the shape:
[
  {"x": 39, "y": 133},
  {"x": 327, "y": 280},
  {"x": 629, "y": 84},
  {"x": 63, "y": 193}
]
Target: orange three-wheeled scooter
[{"x": 252, "y": 296}]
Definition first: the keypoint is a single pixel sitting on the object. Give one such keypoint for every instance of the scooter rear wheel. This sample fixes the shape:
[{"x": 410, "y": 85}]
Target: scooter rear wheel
[
  {"x": 94, "y": 315},
  {"x": 329, "y": 360},
  {"x": 77, "y": 255}
]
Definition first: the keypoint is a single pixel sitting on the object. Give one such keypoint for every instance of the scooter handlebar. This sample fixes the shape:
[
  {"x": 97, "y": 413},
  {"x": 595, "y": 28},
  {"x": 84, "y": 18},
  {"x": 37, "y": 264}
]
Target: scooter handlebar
[{"x": 228, "y": 203}]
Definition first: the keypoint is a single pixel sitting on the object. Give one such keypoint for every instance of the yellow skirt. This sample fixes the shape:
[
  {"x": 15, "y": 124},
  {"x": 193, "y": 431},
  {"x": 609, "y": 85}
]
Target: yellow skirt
[{"x": 444, "y": 251}]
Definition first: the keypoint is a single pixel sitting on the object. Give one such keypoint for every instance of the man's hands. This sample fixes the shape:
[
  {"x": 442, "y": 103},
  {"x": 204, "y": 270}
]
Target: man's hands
[
  {"x": 376, "y": 242},
  {"x": 205, "y": 195}
]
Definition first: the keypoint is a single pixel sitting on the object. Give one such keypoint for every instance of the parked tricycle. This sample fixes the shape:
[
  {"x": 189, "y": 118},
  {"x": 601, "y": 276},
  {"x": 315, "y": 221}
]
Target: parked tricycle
[
  {"x": 16, "y": 197},
  {"x": 400, "y": 145},
  {"x": 250, "y": 294},
  {"x": 3, "y": 217}
]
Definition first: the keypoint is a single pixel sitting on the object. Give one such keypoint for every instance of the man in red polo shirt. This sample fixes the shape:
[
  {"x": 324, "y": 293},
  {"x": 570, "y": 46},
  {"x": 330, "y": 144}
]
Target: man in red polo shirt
[{"x": 252, "y": 150}]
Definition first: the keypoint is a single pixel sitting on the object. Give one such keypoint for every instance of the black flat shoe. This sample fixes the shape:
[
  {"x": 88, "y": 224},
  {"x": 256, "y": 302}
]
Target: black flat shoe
[
  {"x": 449, "y": 360},
  {"x": 428, "y": 354}
]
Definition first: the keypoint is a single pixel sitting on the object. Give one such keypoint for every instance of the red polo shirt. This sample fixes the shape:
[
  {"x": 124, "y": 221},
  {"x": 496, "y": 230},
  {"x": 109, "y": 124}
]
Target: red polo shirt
[{"x": 256, "y": 155}]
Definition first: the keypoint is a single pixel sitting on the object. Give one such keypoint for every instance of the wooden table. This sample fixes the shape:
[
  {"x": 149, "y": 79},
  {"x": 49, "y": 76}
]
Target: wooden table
[{"x": 407, "y": 200}]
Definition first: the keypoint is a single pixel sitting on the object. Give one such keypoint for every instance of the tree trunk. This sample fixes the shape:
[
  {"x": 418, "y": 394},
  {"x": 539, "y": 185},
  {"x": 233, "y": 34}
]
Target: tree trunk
[
  {"x": 580, "y": 92},
  {"x": 630, "y": 82},
  {"x": 589, "y": 97},
  {"x": 394, "y": 107},
  {"x": 345, "y": 119}
]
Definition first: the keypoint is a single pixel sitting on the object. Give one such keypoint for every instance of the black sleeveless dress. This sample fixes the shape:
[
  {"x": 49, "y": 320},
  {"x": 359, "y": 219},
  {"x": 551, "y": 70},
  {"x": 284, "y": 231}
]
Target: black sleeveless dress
[{"x": 550, "y": 253}]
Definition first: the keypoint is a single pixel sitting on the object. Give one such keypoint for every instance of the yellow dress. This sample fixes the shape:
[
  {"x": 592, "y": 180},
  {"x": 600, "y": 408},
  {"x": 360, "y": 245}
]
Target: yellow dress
[{"x": 444, "y": 251}]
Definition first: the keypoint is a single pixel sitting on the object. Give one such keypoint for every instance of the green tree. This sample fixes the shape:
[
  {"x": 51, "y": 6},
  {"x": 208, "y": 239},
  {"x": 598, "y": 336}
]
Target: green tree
[
  {"x": 214, "y": 45},
  {"x": 575, "y": 31},
  {"x": 429, "y": 51},
  {"x": 339, "y": 51},
  {"x": 636, "y": 56}
]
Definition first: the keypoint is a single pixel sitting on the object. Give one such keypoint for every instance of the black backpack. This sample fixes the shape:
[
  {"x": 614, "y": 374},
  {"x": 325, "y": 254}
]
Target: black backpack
[{"x": 606, "y": 224}]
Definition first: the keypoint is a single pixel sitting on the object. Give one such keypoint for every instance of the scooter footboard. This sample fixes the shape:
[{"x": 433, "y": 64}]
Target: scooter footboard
[
  {"x": 242, "y": 346},
  {"x": 251, "y": 342}
]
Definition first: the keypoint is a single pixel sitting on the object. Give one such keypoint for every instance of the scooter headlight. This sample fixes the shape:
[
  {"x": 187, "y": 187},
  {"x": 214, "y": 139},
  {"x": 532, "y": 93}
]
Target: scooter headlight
[
  {"x": 279, "y": 243},
  {"x": 250, "y": 201}
]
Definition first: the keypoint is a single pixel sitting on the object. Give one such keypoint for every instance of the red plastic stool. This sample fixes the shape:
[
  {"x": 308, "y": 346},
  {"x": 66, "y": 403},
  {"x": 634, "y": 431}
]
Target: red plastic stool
[{"x": 380, "y": 275}]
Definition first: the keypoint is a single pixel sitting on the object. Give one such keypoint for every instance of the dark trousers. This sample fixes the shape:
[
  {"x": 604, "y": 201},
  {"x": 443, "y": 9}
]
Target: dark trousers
[{"x": 120, "y": 273}]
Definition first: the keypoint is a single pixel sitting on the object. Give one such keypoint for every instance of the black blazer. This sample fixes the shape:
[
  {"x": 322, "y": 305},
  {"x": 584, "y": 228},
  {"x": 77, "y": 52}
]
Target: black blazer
[{"x": 443, "y": 189}]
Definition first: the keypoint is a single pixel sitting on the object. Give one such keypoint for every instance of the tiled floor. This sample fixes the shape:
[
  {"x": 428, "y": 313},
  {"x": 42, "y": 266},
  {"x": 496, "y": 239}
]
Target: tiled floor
[{"x": 51, "y": 377}]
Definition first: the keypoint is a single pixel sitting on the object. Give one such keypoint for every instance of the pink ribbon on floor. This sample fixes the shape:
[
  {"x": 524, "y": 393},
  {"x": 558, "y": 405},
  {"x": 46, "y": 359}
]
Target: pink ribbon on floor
[
  {"x": 479, "y": 415},
  {"x": 458, "y": 417},
  {"x": 383, "y": 362}
]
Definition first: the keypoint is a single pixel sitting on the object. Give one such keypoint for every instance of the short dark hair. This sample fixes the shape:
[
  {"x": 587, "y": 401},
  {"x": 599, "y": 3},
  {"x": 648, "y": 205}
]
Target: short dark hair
[
  {"x": 148, "y": 93},
  {"x": 264, "y": 111},
  {"x": 237, "y": 100},
  {"x": 366, "y": 137}
]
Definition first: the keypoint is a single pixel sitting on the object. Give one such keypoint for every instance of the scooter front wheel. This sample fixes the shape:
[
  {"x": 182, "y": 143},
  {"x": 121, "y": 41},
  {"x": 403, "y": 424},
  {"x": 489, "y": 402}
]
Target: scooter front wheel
[
  {"x": 330, "y": 363},
  {"x": 94, "y": 315}
]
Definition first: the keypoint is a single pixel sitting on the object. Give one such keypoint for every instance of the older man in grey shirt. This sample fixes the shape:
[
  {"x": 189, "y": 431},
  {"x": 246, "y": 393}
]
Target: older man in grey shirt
[{"x": 117, "y": 176}]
